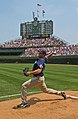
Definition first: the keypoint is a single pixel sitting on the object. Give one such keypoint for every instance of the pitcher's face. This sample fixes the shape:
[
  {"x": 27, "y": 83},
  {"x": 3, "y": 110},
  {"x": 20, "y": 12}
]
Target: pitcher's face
[{"x": 40, "y": 55}]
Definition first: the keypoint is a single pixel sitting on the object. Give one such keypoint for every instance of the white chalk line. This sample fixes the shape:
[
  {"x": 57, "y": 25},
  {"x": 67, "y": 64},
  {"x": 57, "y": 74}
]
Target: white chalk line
[{"x": 8, "y": 96}]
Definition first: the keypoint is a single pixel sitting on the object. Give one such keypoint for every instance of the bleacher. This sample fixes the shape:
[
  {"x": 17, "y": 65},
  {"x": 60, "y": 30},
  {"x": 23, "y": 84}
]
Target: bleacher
[
  {"x": 54, "y": 41},
  {"x": 30, "y": 47}
]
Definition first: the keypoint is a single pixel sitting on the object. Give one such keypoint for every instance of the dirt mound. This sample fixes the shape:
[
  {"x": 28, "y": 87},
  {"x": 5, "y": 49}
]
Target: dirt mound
[{"x": 42, "y": 106}]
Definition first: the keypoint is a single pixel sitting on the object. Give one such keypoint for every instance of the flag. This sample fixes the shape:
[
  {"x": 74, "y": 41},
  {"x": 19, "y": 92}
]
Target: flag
[
  {"x": 43, "y": 11},
  {"x": 39, "y": 5}
]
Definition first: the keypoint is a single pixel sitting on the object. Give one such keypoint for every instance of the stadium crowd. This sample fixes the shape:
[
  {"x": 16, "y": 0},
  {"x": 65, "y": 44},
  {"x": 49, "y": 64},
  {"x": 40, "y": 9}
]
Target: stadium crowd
[
  {"x": 32, "y": 46},
  {"x": 62, "y": 50},
  {"x": 34, "y": 43}
]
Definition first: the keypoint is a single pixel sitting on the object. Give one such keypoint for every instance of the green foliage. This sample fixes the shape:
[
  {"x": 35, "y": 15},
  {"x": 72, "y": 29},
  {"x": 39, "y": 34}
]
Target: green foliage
[{"x": 59, "y": 77}]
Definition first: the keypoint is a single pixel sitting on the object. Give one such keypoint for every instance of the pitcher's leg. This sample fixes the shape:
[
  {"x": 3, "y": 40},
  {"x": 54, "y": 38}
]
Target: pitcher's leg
[
  {"x": 44, "y": 88},
  {"x": 28, "y": 84},
  {"x": 24, "y": 93}
]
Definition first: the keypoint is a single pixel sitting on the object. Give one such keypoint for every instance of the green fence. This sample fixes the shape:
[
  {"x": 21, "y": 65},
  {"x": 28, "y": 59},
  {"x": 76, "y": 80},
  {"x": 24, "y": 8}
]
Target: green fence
[
  {"x": 11, "y": 51},
  {"x": 16, "y": 59},
  {"x": 52, "y": 60},
  {"x": 72, "y": 59}
]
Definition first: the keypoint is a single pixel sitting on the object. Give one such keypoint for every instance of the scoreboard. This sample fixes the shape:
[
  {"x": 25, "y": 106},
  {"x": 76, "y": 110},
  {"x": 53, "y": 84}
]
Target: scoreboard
[{"x": 36, "y": 29}]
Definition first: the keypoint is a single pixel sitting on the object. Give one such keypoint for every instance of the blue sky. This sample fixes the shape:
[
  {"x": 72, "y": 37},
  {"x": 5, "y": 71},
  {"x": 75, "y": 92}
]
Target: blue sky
[{"x": 64, "y": 14}]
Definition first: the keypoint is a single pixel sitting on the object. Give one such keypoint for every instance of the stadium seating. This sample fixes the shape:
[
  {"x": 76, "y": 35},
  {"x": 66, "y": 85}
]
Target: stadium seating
[{"x": 32, "y": 47}]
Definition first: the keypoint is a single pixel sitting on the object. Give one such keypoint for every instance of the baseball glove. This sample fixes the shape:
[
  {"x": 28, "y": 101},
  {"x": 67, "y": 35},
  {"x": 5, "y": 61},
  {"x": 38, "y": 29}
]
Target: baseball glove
[{"x": 25, "y": 71}]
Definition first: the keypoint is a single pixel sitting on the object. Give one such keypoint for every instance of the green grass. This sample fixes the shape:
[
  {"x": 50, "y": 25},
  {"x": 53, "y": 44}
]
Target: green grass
[{"x": 60, "y": 77}]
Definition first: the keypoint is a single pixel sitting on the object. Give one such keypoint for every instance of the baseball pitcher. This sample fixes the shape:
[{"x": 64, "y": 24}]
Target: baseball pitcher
[{"x": 38, "y": 79}]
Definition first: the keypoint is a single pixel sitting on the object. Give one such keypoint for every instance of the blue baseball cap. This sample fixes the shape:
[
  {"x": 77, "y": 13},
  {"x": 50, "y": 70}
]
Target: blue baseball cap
[{"x": 42, "y": 52}]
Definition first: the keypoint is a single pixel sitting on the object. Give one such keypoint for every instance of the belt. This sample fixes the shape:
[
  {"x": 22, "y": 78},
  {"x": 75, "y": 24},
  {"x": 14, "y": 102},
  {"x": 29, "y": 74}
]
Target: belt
[{"x": 38, "y": 76}]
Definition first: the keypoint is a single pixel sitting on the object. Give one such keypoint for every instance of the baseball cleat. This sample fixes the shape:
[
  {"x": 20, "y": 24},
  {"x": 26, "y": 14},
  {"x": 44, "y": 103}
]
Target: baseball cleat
[
  {"x": 21, "y": 106},
  {"x": 63, "y": 95}
]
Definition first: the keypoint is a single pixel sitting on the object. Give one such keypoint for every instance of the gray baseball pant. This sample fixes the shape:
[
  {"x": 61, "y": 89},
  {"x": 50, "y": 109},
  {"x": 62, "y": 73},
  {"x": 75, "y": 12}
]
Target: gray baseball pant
[{"x": 36, "y": 81}]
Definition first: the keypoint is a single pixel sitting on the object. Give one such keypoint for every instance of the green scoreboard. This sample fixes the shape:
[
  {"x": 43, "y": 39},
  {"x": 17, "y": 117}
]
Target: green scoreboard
[{"x": 36, "y": 29}]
